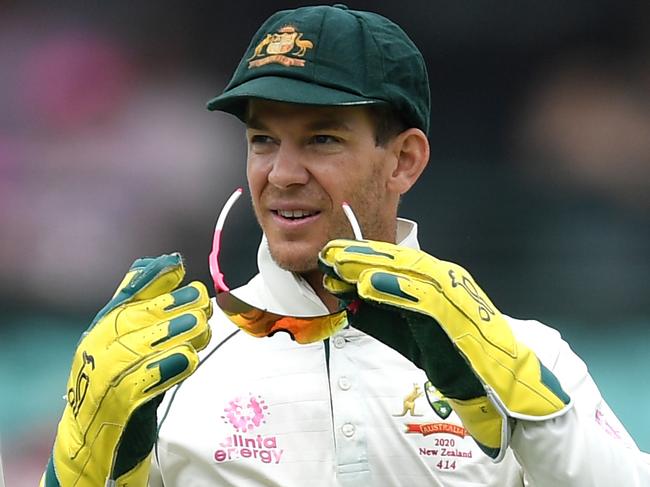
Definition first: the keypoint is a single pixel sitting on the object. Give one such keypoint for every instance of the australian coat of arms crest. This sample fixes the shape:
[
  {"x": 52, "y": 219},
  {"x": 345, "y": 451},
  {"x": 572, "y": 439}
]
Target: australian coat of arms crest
[{"x": 286, "y": 47}]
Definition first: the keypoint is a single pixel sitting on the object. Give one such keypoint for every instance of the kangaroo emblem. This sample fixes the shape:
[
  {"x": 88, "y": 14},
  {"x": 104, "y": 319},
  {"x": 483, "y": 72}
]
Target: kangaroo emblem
[{"x": 409, "y": 402}]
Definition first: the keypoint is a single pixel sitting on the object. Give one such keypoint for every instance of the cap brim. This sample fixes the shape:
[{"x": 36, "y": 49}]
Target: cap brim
[{"x": 289, "y": 90}]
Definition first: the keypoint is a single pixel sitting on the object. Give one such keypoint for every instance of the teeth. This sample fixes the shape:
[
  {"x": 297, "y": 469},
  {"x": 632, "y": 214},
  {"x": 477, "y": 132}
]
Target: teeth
[{"x": 295, "y": 213}]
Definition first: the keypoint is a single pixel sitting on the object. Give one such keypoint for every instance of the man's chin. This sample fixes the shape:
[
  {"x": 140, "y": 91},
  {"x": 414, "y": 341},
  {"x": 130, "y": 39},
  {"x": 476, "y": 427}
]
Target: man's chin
[
  {"x": 299, "y": 267},
  {"x": 293, "y": 262}
]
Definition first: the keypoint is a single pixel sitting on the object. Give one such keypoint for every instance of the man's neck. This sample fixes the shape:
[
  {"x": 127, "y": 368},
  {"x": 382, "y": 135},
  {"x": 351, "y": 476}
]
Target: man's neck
[{"x": 315, "y": 280}]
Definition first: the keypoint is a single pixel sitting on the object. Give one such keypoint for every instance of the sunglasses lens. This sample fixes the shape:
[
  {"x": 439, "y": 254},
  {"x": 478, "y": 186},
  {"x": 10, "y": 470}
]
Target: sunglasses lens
[{"x": 262, "y": 323}]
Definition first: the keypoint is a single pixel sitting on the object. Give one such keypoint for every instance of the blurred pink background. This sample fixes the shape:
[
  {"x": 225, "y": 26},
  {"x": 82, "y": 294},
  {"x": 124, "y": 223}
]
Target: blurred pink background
[{"x": 539, "y": 180}]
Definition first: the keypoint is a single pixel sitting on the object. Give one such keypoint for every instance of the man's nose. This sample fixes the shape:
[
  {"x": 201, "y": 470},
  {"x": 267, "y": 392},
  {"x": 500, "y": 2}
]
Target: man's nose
[{"x": 288, "y": 168}]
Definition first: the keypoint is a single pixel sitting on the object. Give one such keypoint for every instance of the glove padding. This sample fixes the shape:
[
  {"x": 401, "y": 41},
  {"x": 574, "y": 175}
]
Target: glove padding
[
  {"x": 143, "y": 342},
  {"x": 434, "y": 314}
]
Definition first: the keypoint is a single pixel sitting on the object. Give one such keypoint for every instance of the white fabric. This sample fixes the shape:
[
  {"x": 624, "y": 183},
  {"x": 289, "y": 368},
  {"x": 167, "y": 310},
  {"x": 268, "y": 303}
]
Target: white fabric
[{"x": 268, "y": 412}]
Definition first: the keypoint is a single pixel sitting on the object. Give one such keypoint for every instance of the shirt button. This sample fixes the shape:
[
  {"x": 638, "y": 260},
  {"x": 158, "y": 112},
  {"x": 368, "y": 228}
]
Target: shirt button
[
  {"x": 344, "y": 383},
  {"x": 339, "y": 342},
  {"x": 348, "y": 430}
]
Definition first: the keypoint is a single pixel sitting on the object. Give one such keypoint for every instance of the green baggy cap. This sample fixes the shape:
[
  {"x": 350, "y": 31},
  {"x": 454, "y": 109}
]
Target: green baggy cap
[{"x": 331, "y": 56}]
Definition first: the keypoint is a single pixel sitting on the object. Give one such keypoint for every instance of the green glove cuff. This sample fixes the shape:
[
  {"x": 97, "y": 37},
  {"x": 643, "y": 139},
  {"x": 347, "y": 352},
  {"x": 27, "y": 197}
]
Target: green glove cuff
[
  {"x": 49, "y": 478},
  {"x": 138, "y": 438}
]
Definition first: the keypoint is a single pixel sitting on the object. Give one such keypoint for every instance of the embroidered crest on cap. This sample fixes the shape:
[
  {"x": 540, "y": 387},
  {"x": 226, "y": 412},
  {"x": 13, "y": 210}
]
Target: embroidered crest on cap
[{"x": 286, "y": 46}]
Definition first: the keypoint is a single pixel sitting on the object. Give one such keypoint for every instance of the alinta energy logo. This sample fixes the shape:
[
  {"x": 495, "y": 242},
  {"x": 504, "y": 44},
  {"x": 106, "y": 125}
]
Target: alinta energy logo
[{"x": 244, "y": 415}]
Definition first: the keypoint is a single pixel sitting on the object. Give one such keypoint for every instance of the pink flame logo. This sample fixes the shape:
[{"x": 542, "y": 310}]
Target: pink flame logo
[{"x": 245, "y": 416}]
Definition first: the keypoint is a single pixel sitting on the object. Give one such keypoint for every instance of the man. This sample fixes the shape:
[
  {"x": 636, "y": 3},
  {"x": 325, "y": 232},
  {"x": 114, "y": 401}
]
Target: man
[{"x": 424, "y": 382}]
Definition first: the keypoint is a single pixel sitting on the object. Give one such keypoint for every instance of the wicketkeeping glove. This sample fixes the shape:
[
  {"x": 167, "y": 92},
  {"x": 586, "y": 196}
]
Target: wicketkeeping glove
[
  {"x": 144, "y": 341},
  {"x": 434, "y": 314}
]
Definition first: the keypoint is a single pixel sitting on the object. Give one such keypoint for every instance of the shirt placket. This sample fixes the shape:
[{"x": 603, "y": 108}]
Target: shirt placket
[{"x": 348, "y": 415}]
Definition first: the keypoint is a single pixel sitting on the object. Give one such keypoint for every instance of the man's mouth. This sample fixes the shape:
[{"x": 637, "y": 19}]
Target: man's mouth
[{"x": 295, "y": 214}]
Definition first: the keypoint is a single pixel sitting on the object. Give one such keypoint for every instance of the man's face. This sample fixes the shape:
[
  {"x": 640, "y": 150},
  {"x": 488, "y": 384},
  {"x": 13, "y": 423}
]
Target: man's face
[{"x": 303, "y": 163}]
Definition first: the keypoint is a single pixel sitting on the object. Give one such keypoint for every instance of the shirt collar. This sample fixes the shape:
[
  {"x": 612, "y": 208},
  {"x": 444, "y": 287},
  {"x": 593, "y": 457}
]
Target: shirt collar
[{"x": 292, "y": 294}]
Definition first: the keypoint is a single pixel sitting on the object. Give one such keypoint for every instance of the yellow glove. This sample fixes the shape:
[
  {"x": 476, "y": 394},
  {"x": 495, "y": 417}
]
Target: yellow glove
[
  {"x": 139, "y": 345},
  {"x": 434, "y": 314}
]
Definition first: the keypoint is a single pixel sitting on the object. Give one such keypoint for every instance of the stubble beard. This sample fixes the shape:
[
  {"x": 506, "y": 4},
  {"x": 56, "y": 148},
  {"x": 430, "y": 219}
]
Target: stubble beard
[
  {"x": 370, "y": 220},
  {"x": 307, "y": 262},
  {"x": 303, "y": 262}
]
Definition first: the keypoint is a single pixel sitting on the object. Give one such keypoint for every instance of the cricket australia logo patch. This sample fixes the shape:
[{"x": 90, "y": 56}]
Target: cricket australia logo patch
[
  {"x": 245, "y": 414},
  {"x": 443, "y": 444},
  {"x": 437, "y": 403},
  {"x": 286, "y": 47}
]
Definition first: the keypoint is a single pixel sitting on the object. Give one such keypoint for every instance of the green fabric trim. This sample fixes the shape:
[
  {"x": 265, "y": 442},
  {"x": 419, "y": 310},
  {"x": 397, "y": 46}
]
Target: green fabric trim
[
  {"x": 550, "y": 381},
  {"x": 138, "y": 438},
  {"x": 357, "y": 249},
  {"x": 389, "y": 284},
  {"x": 177, "y": 325},
  {"x": 50, "y": 474},
  {"x": 169, "y": 367},
  {"x": 326, "y": 345},
  {"x": 183, "y": 296},
  {"x": 490, "y": 452}
]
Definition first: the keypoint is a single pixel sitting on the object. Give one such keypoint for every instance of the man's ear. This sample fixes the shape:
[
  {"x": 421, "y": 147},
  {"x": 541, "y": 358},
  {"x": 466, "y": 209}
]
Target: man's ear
[{"x": 411, "y": 149}]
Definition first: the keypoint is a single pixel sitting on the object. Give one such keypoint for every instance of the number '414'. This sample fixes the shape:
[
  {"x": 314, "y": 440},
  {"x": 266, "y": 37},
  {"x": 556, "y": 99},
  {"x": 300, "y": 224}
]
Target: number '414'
[{"x": 446, "y": 465}]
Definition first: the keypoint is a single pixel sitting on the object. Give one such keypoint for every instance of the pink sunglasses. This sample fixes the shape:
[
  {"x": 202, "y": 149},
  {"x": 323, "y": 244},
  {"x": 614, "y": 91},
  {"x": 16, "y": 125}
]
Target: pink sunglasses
[{"x": 260, "y": 322}]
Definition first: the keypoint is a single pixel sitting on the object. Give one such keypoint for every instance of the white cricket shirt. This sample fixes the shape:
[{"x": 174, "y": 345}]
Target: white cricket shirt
[{"x": 270, "y": 412}]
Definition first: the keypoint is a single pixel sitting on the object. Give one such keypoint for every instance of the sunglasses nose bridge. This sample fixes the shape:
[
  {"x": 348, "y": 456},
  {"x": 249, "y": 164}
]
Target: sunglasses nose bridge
[{"x": 282, "y": 330}]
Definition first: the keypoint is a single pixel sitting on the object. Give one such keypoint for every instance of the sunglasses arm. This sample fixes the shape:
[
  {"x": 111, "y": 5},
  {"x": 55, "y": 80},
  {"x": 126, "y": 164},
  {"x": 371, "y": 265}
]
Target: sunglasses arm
[{"x": 213, "y": 259}]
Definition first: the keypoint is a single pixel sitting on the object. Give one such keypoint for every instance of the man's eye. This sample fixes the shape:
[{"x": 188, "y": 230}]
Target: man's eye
[
  {"x": 261, "y": 139},
  {"x": 325, "y": 139}
]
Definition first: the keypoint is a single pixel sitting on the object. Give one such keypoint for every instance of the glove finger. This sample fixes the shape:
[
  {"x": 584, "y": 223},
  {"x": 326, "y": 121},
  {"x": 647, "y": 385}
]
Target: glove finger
[
  {"x": 327, "y": 256},
  {"x": 339, "y": 288},
  {"x": 189, "y": 327},
  {"x": 347, "y": 259},
  {"x": 456, "y": 302},
  {"x": 142, "y": 314},
  {"x": 157, "y": 374},
  {"x": 417, "y": 270},
  {"x": 193, "y": 296},
  {"x": 391, "y": 288}
]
